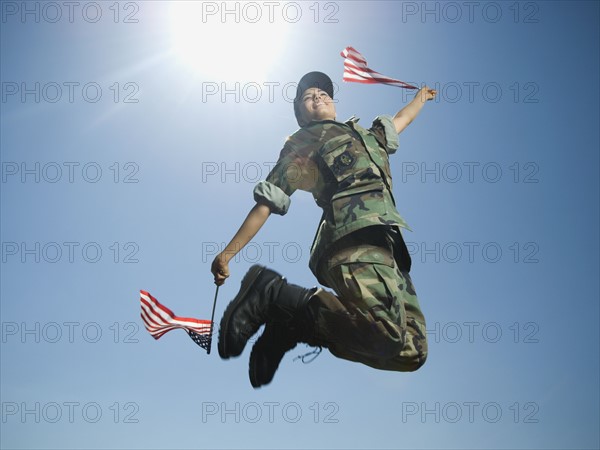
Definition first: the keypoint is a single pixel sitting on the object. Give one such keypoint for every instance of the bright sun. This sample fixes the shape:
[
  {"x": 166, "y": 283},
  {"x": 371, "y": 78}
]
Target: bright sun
[{"x": 240, "y": 45}]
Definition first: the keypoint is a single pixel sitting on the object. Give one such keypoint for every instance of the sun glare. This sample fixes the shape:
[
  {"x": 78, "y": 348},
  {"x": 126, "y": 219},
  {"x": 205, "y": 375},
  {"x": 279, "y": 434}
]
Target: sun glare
[{"x": 237, "y": 44}]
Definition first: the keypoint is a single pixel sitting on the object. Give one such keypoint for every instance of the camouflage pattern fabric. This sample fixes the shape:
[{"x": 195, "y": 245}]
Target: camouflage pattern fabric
[{"x": 375, "y": 318}]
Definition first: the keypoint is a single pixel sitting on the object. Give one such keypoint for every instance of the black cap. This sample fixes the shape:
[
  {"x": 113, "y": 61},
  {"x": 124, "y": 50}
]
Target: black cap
[{"x": 311, "y": 79}]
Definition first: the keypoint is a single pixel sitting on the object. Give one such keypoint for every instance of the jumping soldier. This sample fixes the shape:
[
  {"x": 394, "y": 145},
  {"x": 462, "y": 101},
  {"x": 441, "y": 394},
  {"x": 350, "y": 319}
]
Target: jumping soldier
[{"x": 374, "y": 317}]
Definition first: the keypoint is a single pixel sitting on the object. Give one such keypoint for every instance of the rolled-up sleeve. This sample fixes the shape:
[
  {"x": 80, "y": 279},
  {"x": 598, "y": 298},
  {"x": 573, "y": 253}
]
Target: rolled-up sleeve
[
  {"x": 275, "y": 190},
  {"x": 384, "y": 130},
  {"x": 269, "y": 194}
]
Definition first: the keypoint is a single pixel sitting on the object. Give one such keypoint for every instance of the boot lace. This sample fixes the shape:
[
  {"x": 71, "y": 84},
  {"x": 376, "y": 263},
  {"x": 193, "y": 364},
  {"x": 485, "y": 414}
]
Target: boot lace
[{"x": 306, "y": 357}]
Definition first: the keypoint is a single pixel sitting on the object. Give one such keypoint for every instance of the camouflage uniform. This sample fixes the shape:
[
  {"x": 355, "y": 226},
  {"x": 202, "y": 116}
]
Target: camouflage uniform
[{"x": 358, "y": 248}]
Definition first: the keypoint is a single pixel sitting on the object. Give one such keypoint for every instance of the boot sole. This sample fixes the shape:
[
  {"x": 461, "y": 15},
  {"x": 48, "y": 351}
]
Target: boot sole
[
  {"x": 253, "y": 375},
  {"x": 255, "y": 379},
  {"x": 247, "y": 282}
]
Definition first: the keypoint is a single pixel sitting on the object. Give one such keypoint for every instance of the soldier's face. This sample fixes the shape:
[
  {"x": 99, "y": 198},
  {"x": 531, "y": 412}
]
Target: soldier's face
[{"x": 316, "y": 105}]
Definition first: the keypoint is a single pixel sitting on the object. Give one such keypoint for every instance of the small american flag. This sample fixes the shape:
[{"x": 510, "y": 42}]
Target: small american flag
[
  {"x": 356, "y": 70},
  {"x": 158, "y": 320}
]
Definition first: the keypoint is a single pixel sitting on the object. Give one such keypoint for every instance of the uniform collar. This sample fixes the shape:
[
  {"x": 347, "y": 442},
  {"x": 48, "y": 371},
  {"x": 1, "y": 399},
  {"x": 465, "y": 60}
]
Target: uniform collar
[{"x": 352, "y": 119}]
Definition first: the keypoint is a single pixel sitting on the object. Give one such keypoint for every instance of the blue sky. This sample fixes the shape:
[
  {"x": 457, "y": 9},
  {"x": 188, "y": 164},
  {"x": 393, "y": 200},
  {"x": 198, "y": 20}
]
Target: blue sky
[{"x": 130, "y": 145}]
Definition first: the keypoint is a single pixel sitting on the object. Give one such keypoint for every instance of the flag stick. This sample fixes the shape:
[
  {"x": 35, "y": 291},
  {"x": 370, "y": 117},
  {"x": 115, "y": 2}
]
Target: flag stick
[{"x": 211, "y": 321}]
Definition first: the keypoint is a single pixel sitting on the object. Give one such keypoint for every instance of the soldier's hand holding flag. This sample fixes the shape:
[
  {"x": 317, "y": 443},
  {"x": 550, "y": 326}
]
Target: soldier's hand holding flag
[{"x": 220, "y": 269}]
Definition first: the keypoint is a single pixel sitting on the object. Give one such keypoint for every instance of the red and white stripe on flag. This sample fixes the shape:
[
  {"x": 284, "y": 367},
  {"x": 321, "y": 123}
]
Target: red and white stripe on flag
[
  {"x": 159, "y": 319},
  {"x": 356, "y": 71}
]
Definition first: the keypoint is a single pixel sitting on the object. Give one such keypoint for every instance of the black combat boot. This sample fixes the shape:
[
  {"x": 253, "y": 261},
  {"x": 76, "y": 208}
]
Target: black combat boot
[
  {"x": 264, "y": 296},
  {"x": 277, "y": 339},
  {"x": 280, "y": 337}
]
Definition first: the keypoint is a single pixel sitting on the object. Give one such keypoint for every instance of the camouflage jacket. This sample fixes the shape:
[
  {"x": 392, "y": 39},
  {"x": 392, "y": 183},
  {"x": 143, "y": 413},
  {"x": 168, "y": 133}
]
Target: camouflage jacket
[{"x": 346, "y": 169}]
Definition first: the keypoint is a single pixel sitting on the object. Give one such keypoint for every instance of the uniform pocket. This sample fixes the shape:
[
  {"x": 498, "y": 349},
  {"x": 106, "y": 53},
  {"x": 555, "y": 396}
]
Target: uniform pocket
[
  {"x": 357, "y": 203},
  {"x": 358, "y": 190},
  {"x": 339, "y": 156},
  {"x": 360, "y": 252}
]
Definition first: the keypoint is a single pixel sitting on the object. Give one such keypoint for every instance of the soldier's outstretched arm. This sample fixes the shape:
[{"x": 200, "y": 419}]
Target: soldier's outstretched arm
[
  {"x": 406, "y": 115},
  {"x": 255, "y": 219}
]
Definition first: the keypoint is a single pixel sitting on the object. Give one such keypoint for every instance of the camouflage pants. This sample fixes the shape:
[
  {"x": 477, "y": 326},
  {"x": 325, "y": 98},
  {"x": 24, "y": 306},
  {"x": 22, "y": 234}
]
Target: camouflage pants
[{"x": 375, "y": 317}]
